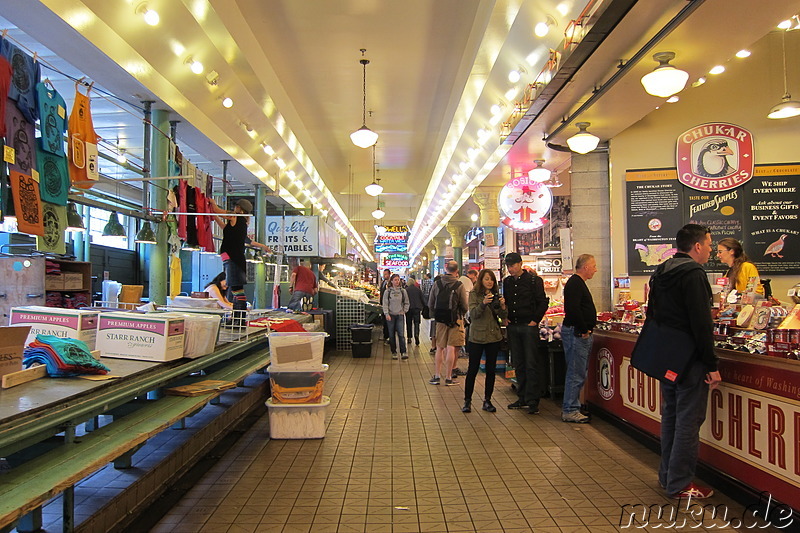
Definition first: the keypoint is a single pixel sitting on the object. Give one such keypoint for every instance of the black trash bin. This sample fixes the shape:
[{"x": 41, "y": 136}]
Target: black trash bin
[{"x": 361, "y": 343}]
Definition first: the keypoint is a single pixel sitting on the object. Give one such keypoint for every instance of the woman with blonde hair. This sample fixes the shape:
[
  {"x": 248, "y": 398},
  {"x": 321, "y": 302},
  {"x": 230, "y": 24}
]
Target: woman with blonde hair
[
  {"x": 740, "y": 269},
  {"x": 487, "y": 309}
]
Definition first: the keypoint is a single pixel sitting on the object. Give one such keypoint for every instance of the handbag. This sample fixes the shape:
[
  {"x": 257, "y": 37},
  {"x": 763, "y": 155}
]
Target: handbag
[
  {"x": 426, "y": 312},
  {"x": 662, "y": 352}
]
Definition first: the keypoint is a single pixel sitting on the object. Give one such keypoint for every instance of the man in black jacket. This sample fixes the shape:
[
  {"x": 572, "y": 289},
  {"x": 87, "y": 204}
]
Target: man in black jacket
[
  {"x": 527, "y": 304},
  {"x": 680, "y": 297},
  {"x": 580, "y": 317}
]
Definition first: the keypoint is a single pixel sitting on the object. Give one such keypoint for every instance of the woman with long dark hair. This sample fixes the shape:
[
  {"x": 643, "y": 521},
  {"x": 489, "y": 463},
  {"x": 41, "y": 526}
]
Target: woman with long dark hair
[
  {"x": 487, "y": 309},
  {"x": 740, "y": 269},
  {"x": 218, "y": 288}
]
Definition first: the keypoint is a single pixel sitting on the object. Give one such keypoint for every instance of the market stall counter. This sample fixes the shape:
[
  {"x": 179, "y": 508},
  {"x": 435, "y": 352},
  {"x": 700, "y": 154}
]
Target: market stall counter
[
  {"x": 40, "y": 464},
  {"x": 752, "y": 427}
]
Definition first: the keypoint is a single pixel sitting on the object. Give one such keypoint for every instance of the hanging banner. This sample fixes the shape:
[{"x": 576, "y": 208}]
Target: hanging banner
[
  {"x": 715, "y": 157},
  {"x": 524, "y": 204},
  {"x": 300, "y": 236},
  {"x": 54, "y": 218},
  {"x": 395, "y": 261}
]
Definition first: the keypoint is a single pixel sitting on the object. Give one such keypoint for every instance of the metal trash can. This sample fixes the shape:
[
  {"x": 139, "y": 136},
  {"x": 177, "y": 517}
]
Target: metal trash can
[{"x": 361, "y": 339}]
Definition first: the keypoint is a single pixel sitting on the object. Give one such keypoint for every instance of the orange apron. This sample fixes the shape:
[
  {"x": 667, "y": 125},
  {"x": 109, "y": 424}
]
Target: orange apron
[{"x": 83, "y": 160}]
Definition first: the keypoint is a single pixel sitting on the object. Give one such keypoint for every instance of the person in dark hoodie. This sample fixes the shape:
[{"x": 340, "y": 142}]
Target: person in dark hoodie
[
  {"x": 527, "y": 304},
  {"x": 680, "y": 297},
  {"x": 413, "y": 315}
]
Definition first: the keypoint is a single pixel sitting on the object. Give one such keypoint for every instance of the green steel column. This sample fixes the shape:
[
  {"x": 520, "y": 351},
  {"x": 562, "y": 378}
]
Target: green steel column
[
  {"x": 261, "y": 301},
  {"x": 80, "y": 239},
  {"x": 159, "y": 161}
]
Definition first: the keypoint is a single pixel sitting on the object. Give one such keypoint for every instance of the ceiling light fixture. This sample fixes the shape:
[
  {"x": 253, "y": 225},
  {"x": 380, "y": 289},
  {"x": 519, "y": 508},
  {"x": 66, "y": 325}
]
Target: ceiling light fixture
[
  {"x": 718, "y": 69},
  {"x": 74, "y": 219},
  {"x": 379, "y": 213},
  {"x": 665, "y": 80},
  {"x": 194, "y": 65},
  {"x": 474, "y": 217},
  {"x": 121, "y": 157},
  {"x": 672, "y": 99},
  {"x": 150, "y": 15},
  {"x": 583, "y": 142},
  {"x": 539, "y": 173},
  {"x": 543, "y": 28},
  {"x": 741, "y": 54},
  {"x": 113, "y": 228},
  {"x": 146, "y": 234},
  {"x": 364, "y": 137},
  {"x": 787, "y": 107},
  {"x": 374, "y": 188},
  {"x": 700, "y": 81},
  {"x": 268, "y": 150},
  {"x": 785, "y": 24},
  {"x": 227, "y": 102},
  {"x": 280, "y": 162}
]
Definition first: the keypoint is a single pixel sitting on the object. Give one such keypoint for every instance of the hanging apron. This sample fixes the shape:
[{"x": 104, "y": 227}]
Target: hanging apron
[
  {"x": 27, "y": 204},
  {"x": 83, "y": 162}
]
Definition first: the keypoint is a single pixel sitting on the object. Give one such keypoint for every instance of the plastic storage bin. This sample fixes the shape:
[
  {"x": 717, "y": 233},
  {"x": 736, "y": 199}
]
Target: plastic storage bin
[
  {"x": 361, "y": 342},
  {"x": 296, "y": 387},
  {"x": 297, "y": 351},
  {"x": 297, "y": 421}
]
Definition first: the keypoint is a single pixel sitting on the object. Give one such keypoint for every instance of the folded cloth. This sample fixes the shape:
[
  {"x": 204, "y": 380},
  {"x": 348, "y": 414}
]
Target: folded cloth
[{"x": 62, "y": 357}]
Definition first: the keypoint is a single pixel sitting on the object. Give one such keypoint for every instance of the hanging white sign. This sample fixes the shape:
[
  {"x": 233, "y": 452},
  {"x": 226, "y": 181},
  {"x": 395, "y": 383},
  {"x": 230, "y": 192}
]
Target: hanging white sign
[{"x": 300, "y": 235}]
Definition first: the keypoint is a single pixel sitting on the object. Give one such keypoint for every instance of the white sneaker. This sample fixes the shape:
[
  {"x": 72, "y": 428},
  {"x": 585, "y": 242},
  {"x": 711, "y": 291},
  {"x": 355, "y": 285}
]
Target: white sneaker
[
  {"x": 404, "y": 356},
  {"x": 394, "y": 356},
  {"x": 575, "y": 417}
]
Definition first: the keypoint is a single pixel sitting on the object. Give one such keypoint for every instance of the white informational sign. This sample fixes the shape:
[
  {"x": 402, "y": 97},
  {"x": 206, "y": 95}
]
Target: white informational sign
[
  {"x": 565, "y": 235},
  {"x": 300, "y": 235},
  {"x": 491, "y": 252},
  {"x": 492, "y": 263}
]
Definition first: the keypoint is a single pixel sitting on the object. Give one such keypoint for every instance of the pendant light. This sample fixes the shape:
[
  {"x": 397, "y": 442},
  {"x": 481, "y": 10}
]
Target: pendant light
[
  {"x": 665, "y": 80},
  {"x": 379, "y": 213},
  {"x": 539, "y": 173},
  {"x": 364, "y": 137},
  {"x": 146, "y": 234},
  {"x": 74, "y": 220},
  {"x": 374, "y": 188},
  {"x": 787, "y": 108},
  {"x": 113, "y": 228},
  {"x": 583, "y": 142}
]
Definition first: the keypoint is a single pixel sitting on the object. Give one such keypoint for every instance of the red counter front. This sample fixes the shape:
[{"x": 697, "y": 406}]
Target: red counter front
[{"x": 752, "y": 428}]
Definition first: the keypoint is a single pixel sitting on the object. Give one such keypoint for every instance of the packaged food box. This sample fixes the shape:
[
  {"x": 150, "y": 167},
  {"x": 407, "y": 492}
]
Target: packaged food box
[{"x": 150, "y": 337}]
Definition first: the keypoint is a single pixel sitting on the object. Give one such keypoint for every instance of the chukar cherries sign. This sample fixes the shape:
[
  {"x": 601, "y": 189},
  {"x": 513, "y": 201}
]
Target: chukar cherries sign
[
  {"x": 524, "y": 204},
  {"x": 715, "y": 157}
]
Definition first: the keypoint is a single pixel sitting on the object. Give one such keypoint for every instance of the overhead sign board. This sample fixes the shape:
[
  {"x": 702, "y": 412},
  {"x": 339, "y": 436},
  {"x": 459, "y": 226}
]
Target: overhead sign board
[
  {"x": 299, "y": 236},
  {"x": 524, "y": 204}
]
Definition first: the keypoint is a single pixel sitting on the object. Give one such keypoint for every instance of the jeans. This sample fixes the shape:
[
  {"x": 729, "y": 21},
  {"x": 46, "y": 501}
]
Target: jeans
[
  {"x": 683, "y": 411},
  {"x": 397, "y": 325},
  {"x": 296, "y": 302},
  {"x": 576, "y": 354},
  {"x": 412, "y": 322},
  {"x": 475, "y": 352},
  {"x": 523, "y": 343}
]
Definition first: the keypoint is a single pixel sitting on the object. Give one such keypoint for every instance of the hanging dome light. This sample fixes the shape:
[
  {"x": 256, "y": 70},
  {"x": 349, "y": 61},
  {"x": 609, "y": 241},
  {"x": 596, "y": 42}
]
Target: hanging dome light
[
  {"x": 539, "y": 173},
  {"x": 787, "y": 108},
  {"x": 378, "y": 213},
  {"x": 374, "y": 188},
  {"x": 583, "y": 142},
  {"x": 74, "y": 220},
  {"x": 665, "y": 80},
  {"x": 146, "y": 234},
  {"x": 113, "y": 228},
  {"x": 364, "y": 137}
]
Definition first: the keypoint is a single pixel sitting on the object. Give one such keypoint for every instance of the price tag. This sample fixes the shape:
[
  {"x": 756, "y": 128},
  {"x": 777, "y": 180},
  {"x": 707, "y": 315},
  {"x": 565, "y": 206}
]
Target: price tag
[
  {"x": 35, "y": 175},
  {"x": 9, "y": 155},
  {"x": 62, "y": 112}
]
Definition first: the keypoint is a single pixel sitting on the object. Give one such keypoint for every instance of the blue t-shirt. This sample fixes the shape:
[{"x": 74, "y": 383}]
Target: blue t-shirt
[
  {"x": 53, "y": 115},
  {"x": 26, "y": 73}
]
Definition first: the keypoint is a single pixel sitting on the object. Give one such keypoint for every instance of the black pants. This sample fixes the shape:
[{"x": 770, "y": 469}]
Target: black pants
[
  {"x": 475, "y": 352},
  {"x": 412, "y": 324}
]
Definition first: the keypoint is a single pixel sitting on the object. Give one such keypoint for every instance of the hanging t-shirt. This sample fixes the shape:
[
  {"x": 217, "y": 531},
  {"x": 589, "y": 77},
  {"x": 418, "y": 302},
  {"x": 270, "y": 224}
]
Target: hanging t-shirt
[
  {"x": 83, "y": 162},
  {"x": 200, "y": 222},
  {"x": 25, "y": 76},
  {"x": 53, "y": 116},
  {"x": 53, "y": 175},
  {"x": 20, "y": 136},
  {"x": 180, "y": 193},
  {"x": 54, "y": 219},
  {"x": 5, "y": 82},
  {"x": 27, "y": 203},
  {"x": 191, "y": 224}
]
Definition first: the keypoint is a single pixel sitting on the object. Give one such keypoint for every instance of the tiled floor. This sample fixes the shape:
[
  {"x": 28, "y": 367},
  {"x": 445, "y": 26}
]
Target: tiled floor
[{"x": 399, "y": 456}]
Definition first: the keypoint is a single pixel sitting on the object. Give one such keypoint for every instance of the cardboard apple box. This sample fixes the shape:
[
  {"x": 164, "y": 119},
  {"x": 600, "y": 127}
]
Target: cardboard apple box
[
  {"x": 63, "y": 323},
  {"x": 12, "y": 342},
  {"x": 151, "y": 337}
]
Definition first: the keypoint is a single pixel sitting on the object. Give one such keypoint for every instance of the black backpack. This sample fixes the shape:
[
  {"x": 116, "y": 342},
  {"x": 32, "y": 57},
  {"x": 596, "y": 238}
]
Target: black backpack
[{"x": 447, "y": 306}]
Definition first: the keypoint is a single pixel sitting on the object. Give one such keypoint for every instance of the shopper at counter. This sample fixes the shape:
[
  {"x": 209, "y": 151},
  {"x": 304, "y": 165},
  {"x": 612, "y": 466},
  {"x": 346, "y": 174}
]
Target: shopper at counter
[
  {"x": 527, "y": 304},
  {"x": 218, "y": 288},
  {"x": 740, "y": 269},
  {"x": 580, "y": 317},
  {"x": 302, "y": 284},
  {"x": 680, "y": 297},
  {"x": 486, "y": 310},
  {"x": 395, "y": 306},
  {"x": 414, "y": 310}
]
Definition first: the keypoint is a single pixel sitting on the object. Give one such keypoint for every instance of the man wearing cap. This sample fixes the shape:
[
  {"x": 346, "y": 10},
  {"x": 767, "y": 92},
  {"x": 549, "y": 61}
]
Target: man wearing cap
[
  {"x": 234, "y": 239},
  {"x": 527, "y": 304}
]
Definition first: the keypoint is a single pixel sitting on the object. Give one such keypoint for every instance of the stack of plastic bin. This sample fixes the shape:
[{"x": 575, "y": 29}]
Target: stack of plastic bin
[{"x": 297, "y": 376}]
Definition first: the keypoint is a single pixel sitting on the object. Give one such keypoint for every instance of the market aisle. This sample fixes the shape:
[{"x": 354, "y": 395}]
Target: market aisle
[{"x": 399, "y": 456}]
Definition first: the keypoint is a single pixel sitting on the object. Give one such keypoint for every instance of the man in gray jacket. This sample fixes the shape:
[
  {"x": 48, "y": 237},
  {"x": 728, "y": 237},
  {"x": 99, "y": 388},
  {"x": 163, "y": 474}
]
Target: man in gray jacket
[{"x": 449, "y": 333}]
